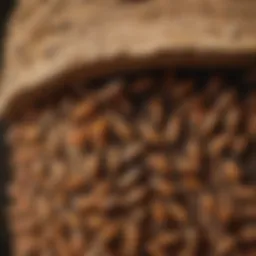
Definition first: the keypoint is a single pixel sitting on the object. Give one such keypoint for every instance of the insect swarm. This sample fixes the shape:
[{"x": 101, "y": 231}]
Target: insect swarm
[
  {"x": 128, "y": 134},
  {"x": 104, "y": 184}
]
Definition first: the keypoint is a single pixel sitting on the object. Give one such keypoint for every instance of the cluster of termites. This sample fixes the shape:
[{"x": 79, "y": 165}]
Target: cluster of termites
[{"x": 145, "y": 165}]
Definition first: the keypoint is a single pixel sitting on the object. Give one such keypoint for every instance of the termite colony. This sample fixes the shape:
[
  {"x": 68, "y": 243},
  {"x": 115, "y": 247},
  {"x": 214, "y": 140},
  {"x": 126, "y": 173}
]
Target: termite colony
[{"x": 150, "y": 164}]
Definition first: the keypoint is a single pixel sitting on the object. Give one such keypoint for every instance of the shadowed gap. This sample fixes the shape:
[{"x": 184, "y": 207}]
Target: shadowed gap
[{"x": 6, "y": 7}]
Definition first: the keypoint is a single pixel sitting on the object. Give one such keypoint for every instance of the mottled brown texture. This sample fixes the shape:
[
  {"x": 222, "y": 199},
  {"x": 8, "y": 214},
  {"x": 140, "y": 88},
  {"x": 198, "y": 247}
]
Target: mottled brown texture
[
  {"x": 55, "y": 40},
  {"x": 137, "y": 165},
  {"x": 109, "y": 162}
]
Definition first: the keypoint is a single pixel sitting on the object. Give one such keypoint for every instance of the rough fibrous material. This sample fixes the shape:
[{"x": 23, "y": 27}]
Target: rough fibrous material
[
  {"x": 143, "y": 164},
  {"x": 48, "y": 41}
]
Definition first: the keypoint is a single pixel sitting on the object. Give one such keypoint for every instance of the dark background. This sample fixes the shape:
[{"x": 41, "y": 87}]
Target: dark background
[{"x": 6, "y": 7}]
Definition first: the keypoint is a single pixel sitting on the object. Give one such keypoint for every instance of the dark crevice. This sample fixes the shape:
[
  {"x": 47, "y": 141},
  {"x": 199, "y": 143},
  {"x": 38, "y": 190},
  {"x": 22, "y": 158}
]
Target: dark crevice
[{"x": 6, "y": 7}]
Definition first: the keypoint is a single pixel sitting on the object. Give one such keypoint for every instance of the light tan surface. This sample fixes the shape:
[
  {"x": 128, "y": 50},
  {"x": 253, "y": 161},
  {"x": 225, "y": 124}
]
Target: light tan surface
[{"x": 48, "y": 41}]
